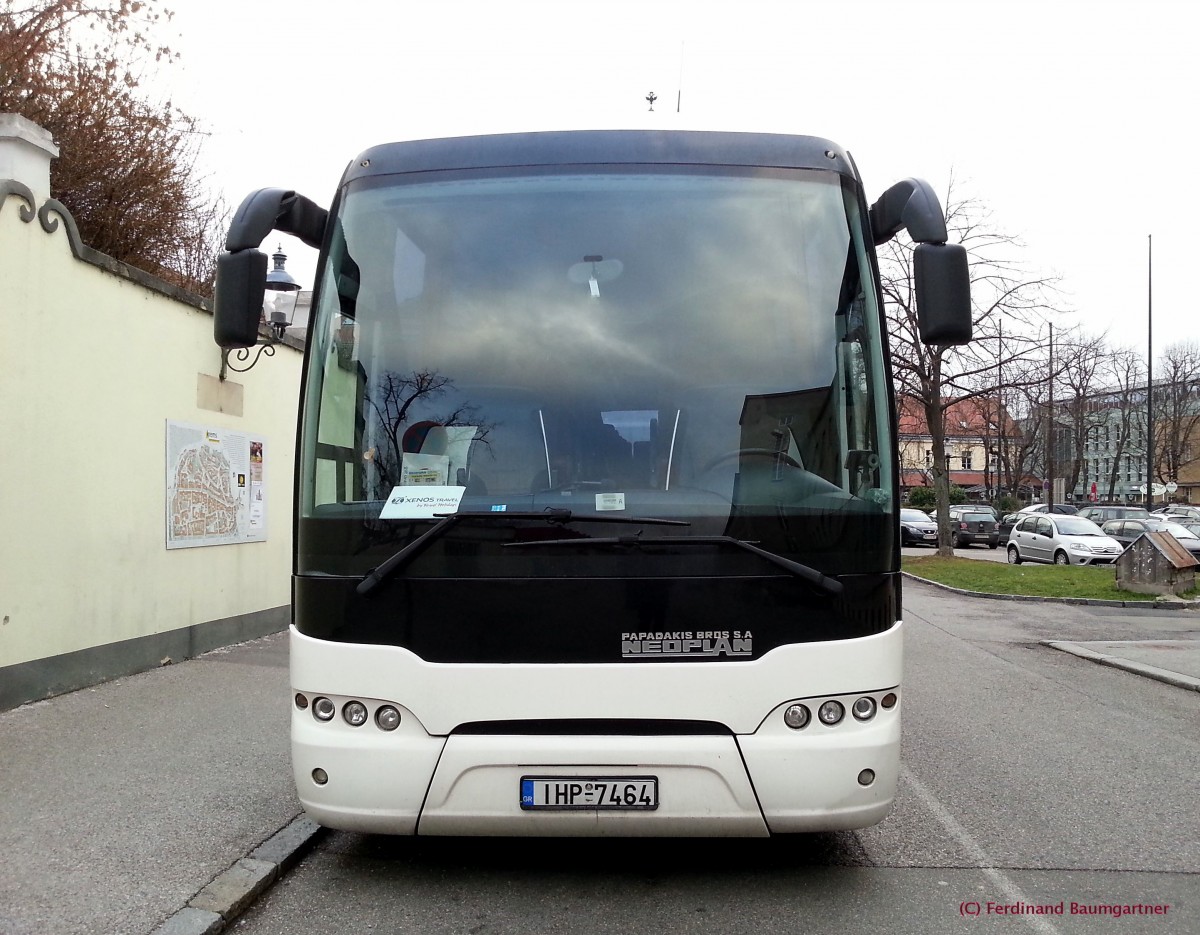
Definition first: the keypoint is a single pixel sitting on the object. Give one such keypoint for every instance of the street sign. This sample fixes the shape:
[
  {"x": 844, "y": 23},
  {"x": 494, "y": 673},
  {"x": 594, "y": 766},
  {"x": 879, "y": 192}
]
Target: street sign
[
  {"x": 1158, "y": 489},
  {"x": 1172, "y": 487}
]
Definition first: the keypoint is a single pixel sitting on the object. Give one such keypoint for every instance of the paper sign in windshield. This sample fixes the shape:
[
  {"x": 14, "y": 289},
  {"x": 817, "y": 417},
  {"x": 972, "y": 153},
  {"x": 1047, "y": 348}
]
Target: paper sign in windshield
[{"x": 421, "y": 501}]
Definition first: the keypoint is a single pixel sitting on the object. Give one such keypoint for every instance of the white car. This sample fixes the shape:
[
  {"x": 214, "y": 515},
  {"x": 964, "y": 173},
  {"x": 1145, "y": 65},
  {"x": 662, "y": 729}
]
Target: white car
[
  {"x": 1044, "y": 507},
  {"x": 1061, "y": 540}
]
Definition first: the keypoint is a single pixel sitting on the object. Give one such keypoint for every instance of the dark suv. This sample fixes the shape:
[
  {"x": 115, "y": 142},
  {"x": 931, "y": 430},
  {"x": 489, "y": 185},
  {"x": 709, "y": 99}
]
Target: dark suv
[{"x": 1102, "y": 513}]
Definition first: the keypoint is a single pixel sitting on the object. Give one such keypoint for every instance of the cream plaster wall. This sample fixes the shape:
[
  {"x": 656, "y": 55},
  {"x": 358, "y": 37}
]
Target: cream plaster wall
[{"x": 93, "y": 363}]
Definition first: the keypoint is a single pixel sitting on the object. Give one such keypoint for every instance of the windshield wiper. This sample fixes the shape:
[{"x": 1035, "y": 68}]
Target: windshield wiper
[
  {"x": 829, "y": 585},
  {"x": 377, "y": 575}
]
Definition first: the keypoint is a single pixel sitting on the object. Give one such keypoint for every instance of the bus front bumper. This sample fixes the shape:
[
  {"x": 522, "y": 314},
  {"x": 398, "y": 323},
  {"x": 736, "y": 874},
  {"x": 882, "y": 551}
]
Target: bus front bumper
[{"x": 771, "y": 782}]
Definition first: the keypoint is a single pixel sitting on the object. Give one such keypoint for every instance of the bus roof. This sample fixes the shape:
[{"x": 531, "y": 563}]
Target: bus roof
[{"x": 602, "y": 147}]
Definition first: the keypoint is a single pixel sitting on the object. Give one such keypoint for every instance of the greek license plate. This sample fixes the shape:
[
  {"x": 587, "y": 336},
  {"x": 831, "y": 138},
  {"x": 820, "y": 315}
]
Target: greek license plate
[{"x": 589, "y": 792}]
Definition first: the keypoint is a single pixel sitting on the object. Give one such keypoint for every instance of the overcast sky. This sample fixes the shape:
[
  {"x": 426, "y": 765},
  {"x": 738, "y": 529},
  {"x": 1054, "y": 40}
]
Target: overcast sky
[{"x": 1073, "y": 122}]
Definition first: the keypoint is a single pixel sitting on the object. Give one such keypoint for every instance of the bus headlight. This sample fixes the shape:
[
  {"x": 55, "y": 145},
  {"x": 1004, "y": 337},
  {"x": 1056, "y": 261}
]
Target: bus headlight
[
  {"x": 323, "y": 709},
  {"x": 387, "y": 718},
  {"x": 796, "y": 716},
  {"x": 355, "y": 713},
  {"x": 831, "y": 712},
  {"x": 864, "y": 708}
]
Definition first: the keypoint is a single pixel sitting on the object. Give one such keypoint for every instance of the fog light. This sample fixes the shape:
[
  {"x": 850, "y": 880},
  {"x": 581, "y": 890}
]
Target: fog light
[
  {"x": 889, "y": 701},
  {"x": 831, "y": 712},
  {"x": 354, "y": 713},
  {"x": 864, "y": 708},
  {"x": 320, "y": 777},
  {"x": 387, "y": 718},
  {"x": 866, "y": 777},
  {"x": 796, "y": 716},
  {"x": 324, "y": 709},
  {"x": 301, "y": 701}
]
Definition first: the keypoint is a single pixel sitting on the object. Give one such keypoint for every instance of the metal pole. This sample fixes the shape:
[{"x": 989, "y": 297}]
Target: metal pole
[
  {"x": 1050, "y": 432},
  {"x": 1149, "y": 371}
]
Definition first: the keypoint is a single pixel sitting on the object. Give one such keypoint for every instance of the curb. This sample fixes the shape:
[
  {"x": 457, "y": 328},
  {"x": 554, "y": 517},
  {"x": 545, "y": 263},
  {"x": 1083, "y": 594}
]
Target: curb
[
  {"x": 1086, "y": 601},
  {"x": 230, "y": 893},
  {"x": 1138, "y": 668}
]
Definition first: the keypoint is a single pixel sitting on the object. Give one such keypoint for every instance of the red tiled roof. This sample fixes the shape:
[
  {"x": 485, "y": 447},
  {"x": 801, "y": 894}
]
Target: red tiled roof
[
  {"x": 958, "y": 479},
  {"x": 965, "y": 417}
]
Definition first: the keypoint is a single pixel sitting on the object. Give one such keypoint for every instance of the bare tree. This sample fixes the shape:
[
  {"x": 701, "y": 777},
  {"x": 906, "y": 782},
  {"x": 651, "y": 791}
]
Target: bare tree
[
  {"x": 127, "y": 169},
  {"x": 1126, "y": 377},
  {"x": 1178, "y": 410},
  {"x": 1080, "y": 373},
  {"x": 1008, "y": 302},
  {"x": 392, "y": 402}
]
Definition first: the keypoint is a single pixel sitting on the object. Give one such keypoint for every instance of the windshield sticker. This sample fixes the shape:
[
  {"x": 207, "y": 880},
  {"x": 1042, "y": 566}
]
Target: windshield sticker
[
  {"x": 610, "y": 501},
  {"x": 421, "y": 501},
  {"x": 424, "y": 469},
  {"x": 687, "y": 644}
]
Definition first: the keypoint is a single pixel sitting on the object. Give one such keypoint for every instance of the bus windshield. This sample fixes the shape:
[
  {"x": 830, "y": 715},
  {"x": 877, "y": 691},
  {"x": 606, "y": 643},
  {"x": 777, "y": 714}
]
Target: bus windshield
[{"x": 701, "y": 345}]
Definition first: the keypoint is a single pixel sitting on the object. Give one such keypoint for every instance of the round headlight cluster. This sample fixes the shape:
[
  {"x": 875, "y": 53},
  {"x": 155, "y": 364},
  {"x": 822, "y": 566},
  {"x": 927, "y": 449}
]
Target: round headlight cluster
[
  {"x": 832, "y": 712},
  {"x": 354, "y": 713}
]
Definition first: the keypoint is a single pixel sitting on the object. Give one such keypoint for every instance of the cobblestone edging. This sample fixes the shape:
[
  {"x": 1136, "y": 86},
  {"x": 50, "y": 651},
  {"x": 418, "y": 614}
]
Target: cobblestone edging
[
  {"x": 1156, "y": 604},
  {"x": 232, "y": 892}
]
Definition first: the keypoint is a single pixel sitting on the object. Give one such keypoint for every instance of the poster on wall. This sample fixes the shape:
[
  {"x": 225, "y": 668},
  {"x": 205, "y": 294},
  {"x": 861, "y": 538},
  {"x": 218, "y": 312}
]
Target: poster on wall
[{"x": 216, "y": 493}]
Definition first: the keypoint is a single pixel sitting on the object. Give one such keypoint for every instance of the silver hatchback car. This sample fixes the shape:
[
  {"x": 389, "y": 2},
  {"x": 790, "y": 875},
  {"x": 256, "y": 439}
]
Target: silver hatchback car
[{"x": 1061, "y": 540}]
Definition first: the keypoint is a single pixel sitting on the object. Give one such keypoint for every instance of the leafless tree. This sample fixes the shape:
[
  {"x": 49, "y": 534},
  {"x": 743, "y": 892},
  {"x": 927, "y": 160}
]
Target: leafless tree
[
  {"x": 1080, "y": 375},
  {"x": 392, "y": 402},
  {"x": 1177, "y": 410},
  {"x": 1009, "y": 301},
  {"x": 127, "y": 169},
  {"x": 1126, "y": 379}
]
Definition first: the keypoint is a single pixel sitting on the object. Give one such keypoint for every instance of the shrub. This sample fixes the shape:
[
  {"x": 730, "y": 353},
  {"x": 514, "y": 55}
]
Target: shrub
[{"x": 921, "y": 498}]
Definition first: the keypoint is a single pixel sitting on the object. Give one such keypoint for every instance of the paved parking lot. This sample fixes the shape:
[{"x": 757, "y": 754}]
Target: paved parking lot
[{"x": 973, "y": 551}]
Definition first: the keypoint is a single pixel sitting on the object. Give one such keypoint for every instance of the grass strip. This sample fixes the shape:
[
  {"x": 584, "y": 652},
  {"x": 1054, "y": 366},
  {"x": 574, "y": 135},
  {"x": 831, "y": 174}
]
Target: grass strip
[{"x": 1093, "y": 582}]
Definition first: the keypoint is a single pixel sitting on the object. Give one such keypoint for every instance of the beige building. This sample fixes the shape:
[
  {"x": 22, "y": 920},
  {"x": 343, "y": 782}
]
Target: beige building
[
  {"x": 970, "y": 437},
  {"x": 146, "y": 502}
]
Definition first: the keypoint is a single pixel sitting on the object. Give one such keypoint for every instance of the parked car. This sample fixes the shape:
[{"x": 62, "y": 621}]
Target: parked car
[
  {"x": 974, "y": 529},
  {"x": 1178, "y": 509},
  {"x": 1063, "y": 508},
  {"x": 1101, "y": 513},
  {"x": 1191, "y": 525},
  {"x": 1061, "y": 540},
  {"x": 957, "y": 508},
  {"x": 916, "y": 528},
  {"x": 1007, "y": 522},
  {"x": 1127, "y": 531}
]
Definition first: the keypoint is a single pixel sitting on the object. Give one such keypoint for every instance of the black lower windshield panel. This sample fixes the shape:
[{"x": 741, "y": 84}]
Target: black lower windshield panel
[{"x": 594, "y": 620}]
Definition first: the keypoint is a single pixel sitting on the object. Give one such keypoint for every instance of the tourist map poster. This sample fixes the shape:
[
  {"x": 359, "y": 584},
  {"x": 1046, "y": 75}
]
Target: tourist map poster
[{"x": 215, "y": 489}]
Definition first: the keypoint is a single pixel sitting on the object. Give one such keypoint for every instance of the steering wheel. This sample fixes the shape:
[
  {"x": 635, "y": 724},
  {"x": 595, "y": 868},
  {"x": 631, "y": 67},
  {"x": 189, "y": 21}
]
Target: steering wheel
[{"x": 752, "y": 453}]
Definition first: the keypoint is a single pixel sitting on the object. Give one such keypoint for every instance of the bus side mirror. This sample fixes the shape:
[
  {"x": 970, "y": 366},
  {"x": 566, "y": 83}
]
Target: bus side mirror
[
  {"x": 943, "y": 284},
  {"x": 238, "y": 298}
]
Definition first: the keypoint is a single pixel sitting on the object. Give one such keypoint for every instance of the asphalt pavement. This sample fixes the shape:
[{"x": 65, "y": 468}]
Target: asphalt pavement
[{"x": 162, "y": 803}]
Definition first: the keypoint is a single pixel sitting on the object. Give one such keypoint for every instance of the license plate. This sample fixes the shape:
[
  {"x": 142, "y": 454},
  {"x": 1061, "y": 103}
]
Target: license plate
[{"x": 589, "y": 792}]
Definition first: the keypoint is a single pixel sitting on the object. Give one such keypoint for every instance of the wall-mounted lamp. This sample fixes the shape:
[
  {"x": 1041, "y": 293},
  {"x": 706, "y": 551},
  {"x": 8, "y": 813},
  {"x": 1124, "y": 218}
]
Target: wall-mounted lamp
[{"x": 279, "y": 280}]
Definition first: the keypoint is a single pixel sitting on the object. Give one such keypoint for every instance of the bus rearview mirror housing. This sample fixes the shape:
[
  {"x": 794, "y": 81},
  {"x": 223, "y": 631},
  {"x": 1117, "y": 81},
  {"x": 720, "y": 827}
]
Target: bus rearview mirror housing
[
  {"x": 943, "y": 285},
  {"x": 238, "y": 298}
]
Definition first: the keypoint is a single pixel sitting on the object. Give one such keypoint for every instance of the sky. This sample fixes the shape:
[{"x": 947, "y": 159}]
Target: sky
[{"x": 1072, "y": 122}]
